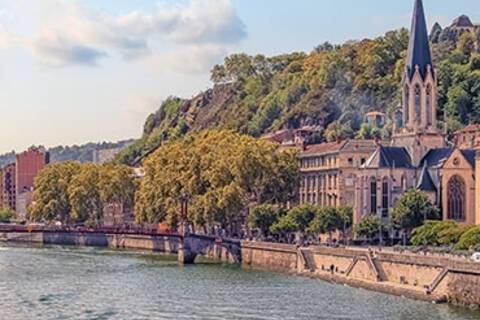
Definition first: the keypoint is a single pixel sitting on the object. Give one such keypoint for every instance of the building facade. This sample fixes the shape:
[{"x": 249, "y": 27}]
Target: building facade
[
  {"x": 371, "y": 177},
  {"x": 17, "y": 180}
]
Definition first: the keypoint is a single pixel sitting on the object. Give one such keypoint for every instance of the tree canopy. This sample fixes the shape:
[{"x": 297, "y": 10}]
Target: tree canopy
[{"x": 220, "y": 172}]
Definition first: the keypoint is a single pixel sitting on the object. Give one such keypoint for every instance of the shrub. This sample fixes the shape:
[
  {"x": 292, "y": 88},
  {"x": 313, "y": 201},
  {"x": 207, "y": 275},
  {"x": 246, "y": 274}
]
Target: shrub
[{"x": 469, "y": 240}]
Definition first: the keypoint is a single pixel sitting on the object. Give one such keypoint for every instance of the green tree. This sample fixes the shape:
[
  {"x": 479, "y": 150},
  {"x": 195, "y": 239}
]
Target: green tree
[
  {"x": 431, "y": 233},
  {"x": 368, "y": 227},
  {"x": 368, "y": 131},
  {"x": 412, "y": 209},
  {"x": 469, "y": 240},
  {"x": 84, "y": 196},
  {"x": 326, "y": 220},
  {"x": 222, "y": 173},
  {"x": 338, "y": 131},
  {"x": 6, "y": 214},
  {"x": 264, "y": 217},
  {"x": 297, "y": 220},
  {"x": 51, "y": 198}
]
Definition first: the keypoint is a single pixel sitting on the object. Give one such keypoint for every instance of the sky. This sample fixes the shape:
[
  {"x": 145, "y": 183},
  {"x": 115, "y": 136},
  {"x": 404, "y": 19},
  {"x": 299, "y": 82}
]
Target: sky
[{"x": 77, "y": 71}]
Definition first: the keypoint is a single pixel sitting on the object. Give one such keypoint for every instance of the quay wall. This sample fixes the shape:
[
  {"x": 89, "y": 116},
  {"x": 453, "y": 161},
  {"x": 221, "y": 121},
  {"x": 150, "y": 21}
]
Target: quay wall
[{"x": 429, "y": 277}]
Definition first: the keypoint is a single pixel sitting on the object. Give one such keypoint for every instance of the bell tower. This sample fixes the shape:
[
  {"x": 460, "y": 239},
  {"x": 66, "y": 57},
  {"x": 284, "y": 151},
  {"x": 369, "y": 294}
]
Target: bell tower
[{"x": 416, "y": 120}]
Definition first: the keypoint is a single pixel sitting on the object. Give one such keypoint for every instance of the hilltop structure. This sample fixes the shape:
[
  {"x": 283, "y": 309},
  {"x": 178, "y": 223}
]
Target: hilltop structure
[{"x": 371, "y": 176}]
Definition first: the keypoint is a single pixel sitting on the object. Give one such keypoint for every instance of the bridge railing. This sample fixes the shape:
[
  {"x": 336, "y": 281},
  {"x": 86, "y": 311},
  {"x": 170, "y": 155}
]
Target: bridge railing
[{"x": 130, "y": 230}]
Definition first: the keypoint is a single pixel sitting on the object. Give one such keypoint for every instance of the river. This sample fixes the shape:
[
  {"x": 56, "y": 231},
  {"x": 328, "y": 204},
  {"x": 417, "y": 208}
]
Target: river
[{"x": 86, "y": 283}]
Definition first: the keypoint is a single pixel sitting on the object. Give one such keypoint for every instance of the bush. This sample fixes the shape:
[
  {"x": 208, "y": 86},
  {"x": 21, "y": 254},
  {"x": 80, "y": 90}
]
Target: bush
[
  {"x": 6, "y": 215},
  {"x": 430, "y": 234},
  {"x": 469, "y": 240}
]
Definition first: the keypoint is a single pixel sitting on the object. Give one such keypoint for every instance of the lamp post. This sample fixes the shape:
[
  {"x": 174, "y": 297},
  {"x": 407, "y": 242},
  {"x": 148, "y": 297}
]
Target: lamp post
[{"x": 184, "y": 223}]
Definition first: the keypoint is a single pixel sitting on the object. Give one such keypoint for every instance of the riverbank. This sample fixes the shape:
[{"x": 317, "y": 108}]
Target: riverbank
[{"x": 434, "y": 278}]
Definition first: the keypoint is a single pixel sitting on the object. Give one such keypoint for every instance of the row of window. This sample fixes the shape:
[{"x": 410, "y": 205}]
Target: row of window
[
  {"x": 322, "y": 199},
  {"x": 319, "y": 182},
  {"x": 316, "y": 162}
]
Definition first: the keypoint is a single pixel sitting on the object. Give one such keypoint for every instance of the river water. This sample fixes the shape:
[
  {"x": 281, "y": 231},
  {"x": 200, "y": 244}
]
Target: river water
[{"x": 86, "y": 283}]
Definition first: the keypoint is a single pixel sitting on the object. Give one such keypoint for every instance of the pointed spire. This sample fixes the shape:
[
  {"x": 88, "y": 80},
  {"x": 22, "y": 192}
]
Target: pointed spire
[{"x": 419, "y": 48}]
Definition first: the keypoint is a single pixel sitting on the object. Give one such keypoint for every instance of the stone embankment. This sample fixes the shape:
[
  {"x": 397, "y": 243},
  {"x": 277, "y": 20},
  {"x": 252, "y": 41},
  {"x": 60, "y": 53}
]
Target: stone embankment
[{"x": 429, "y": 277}]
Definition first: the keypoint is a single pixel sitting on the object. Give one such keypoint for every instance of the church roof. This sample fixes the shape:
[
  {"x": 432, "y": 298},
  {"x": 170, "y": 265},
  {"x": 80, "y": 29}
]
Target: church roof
[
  {"x": 462, "y": 21},
  {"x": 425, "y": 182},
  {"x": 419, "y": 53},
  {"x": 389, "y": 157},
  {"x": 435, "y": 157},
  {"x": 469, "y": 155}
]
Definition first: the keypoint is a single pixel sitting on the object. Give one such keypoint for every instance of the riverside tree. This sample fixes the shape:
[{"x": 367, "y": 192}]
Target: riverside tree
[
  {"x": 72, "y": 192},
  {"x": 263, "y": 217},
  {"x": 220, "y": 173},
  {"x": 368, "y": 227},
  {"x": 411, "y": 211}
]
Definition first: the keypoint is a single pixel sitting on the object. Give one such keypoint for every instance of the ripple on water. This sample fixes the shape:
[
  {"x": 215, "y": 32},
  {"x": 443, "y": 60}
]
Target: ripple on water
[{"x": 67, "y": 283}]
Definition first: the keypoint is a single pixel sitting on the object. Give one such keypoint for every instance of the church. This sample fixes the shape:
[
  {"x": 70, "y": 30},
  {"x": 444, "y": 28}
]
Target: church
[{"x": 371, "y": 176}]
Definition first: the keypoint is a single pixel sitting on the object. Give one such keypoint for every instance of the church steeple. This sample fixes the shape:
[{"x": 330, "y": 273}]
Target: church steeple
[
  {"x": 416, "y": 119},
  {"x": 419, "y": 48}
]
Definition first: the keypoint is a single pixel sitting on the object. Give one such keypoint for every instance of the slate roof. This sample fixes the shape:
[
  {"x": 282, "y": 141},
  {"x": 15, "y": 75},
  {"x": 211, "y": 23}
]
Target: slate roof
[
  {"x": 435, "y": 157},
  {"x": 390, "y": 157},
  {"x": 425, "y": 182},
  {"x": 469, "y": 155},
  {"x": 462, "y": 21},
  {"x": 419, "y": 53}
]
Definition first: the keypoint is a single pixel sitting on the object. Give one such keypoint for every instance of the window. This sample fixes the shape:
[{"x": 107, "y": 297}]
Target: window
[
  {"x": 406, "y": 103},
  {"x": 373, "y": 195},
  {"x": 429, "y": 106},
  {"x": 385, "y": 197},
  {"x": 456, "y": 198},
  {"x": 404, "y": 183},
  {"x": 363, "y": 161},
  {"x": 418, "y": 102},
  {"x": 350, "y": 161}
]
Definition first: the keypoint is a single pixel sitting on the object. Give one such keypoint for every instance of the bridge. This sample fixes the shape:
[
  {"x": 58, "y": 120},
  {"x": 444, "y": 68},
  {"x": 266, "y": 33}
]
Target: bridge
[{"x": 187, "y": 246}]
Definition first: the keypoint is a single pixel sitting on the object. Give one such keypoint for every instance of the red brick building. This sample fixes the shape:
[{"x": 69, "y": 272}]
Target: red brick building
[{"x": 28, "y": 165}]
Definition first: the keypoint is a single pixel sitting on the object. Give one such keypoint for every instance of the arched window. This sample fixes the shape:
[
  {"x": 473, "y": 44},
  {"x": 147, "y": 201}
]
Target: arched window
[
  {"x": 385, "y": 202},
  {"x": 456, "y": 198},
  {"x": 406, "y": 103},
  {"x": 373, "y": 195},
  {"x": 404, "y": 183},
  {"x": 418, "y": 102},
  {"x": 429, "y": 106}
]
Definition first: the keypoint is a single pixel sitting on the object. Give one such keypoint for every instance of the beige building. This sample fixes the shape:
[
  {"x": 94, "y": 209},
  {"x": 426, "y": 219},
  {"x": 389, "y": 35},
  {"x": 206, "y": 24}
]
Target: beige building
[{"x": 329, "y": 171}]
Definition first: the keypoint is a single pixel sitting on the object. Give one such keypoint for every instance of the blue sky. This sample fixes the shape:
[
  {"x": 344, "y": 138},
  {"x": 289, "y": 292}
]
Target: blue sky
[{"x": 75, "y": 71}]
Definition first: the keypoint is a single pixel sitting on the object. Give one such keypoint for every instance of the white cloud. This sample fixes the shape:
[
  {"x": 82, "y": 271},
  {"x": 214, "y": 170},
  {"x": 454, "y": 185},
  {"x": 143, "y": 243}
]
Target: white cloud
[{"x": 197, "y": 31}]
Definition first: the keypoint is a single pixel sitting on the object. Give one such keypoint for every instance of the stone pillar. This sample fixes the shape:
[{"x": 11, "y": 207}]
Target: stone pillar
[{"x": 185, "y": 253}]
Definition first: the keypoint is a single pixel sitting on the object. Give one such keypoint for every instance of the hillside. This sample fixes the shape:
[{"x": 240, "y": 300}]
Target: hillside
[
  {"x": 331, "y": 87},
  {"x": 82, "y": 153}
]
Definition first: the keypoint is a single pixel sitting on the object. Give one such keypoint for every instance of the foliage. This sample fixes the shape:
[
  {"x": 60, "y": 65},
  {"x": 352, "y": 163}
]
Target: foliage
[
  {"x": 327, "y": 220},
  {"x": 297, "y": 219},
  {"x": 221, "y": 172},
  {"x": 412, "y": 209},
  {"x": 469, "y": 240},
  {"x": 264, "y": 217},
  {"x": 73, "y": 192},
  {"x": 433, "y": 233},
  {"x": 368, "y": 227},
  {"x": 337, "y": 131},
  {"x": 6, "y": 215},
  {"x": 51, "y": 197}
]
